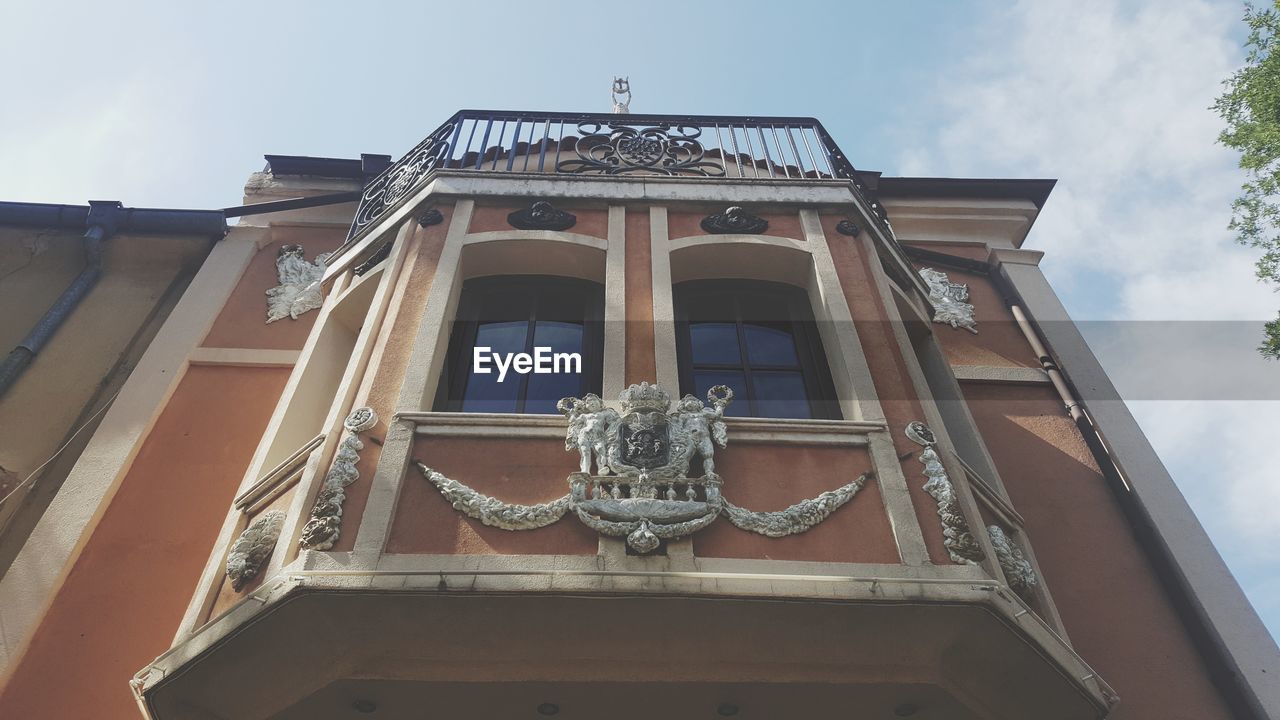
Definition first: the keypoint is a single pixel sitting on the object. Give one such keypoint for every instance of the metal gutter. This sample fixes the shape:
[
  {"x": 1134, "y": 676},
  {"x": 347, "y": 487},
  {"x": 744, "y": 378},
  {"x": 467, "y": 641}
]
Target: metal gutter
[{"x": 100, "y": 220}]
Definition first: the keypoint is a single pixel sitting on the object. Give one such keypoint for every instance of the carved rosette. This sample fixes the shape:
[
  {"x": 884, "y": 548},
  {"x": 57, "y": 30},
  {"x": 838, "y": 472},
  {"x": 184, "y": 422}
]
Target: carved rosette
[
  {"x": 542, "y": 216},
  {"x": 642, "y": 490},
  {"x": 734, "y": 220},
  {"x": 1017, "y": 569},
  {"x": 324, "y": 525},
  {"x": 253, "y": 547},
  {"x": 956, "y": 536},
  {"x": 299, "y": 290},
  {"x": 949, "y": 300}
]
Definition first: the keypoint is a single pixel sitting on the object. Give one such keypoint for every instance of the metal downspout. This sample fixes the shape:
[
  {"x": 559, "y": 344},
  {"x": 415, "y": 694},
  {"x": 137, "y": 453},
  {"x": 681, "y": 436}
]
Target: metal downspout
[{"x": 102, "y": 224}]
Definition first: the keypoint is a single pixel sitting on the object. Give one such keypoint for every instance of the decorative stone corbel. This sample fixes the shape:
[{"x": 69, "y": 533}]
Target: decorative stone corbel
[
  {"x": 734, "y": 220},
  {"x": 1017, "y": 569},
  {"x": 253, "y": 547},
  {"x": 324, "y": 526},
  {"x": 956, "y": 536},
  {"x": 542, "y": 216},
  {"x": 299, "y": 290},
  {"x": 949, "y": 300}
]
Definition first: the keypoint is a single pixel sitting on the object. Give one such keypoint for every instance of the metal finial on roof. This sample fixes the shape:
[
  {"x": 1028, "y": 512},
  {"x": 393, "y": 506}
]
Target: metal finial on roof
[{"x": 621, "y": 88}]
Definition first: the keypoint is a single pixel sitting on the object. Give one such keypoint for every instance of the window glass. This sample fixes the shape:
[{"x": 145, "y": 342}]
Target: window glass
[
  {"x": 780, "y": 394},
  {"x": 715, "y": 343},
  {"x": 758, "y": 338},
  {"x": 515, "y": 316},
  {"x": 771, "y": 344}
]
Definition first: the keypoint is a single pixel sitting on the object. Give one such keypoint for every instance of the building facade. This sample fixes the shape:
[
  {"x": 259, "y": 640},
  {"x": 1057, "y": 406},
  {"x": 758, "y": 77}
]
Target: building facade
[{"x": 621, "y": 416}]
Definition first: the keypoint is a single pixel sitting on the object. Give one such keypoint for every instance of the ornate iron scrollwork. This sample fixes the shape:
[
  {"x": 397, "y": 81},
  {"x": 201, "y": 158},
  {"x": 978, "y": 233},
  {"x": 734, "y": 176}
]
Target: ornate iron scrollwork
[
  {"x": 402, "y": 178},
  {"x": 542, "y": 216},
  {"x": 734, "y": 220},
  {"x": 848, "y": 227},
  {"x": 614, "y": 149}
]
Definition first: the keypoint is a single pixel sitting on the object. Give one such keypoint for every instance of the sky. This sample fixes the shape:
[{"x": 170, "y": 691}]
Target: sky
[{"x": 173, "y": 105}]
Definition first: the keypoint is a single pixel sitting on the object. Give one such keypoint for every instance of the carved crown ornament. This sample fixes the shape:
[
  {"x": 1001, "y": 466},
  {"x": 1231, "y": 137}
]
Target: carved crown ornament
[
  {"x": 643, "y": 488},
  {"x": 542, "y": 216}
]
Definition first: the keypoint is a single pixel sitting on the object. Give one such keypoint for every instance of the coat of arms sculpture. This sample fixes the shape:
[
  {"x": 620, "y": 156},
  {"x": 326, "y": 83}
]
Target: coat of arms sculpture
[{"x": 646, "y": 486}]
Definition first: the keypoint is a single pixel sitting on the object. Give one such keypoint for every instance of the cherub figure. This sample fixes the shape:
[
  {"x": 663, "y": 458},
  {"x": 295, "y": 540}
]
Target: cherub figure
[
  {"x": 299, "y": 289},
  {"x": 589, "y": 422},
  {"x": 705, "y": 425}
]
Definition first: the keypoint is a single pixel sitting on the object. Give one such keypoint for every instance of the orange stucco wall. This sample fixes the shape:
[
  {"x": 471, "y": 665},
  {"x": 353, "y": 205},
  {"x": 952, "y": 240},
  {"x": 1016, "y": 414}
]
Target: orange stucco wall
[
  {"x": 1114, "y": 609},
  {"x": 125, "y": 595},
  {"x": 516, "y": 470},
  {"x": 888, "y": 369},
  {"x": 772, "y": 477},
  {"x": 242, "y": 322}
]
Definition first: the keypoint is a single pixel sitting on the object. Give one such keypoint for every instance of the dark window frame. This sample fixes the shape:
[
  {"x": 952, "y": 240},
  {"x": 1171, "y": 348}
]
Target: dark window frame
[
  {"x": 451, "y": 391},
  {"x": 814, "y": 368}
]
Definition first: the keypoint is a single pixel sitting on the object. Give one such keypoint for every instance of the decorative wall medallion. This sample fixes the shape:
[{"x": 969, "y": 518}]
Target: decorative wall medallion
[
  {"x": 848, "y": 227},
  {"x": 429, "y": 217},
  {"x": 734, "y": 220},
  {"x": 642, "y": 489},
  {"x": 1017, "y": 569},
  {"x": 949, "y": 300},
  {"x": 956, "y": 536},
  {"x": 616, "y": 149},
  {"x": 324, "y": 526},
  {"x": 299, "y": 290},
  {"x": 253, "y": 547},
  {"x": 542, "y": 216}
]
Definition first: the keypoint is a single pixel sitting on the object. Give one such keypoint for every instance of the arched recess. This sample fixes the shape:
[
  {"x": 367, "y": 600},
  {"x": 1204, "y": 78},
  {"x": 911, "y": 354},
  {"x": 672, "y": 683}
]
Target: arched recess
[
  {"x": 494, "y": 254},
  {"x": 773, "y": 259}
]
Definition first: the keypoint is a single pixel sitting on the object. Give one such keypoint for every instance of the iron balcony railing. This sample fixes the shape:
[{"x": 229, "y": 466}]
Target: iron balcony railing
[{"x": 697, "y": 146}]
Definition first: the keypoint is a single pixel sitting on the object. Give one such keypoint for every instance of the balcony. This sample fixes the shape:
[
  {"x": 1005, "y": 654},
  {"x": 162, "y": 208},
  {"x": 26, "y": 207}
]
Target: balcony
[{"x": 693, "y": 147}]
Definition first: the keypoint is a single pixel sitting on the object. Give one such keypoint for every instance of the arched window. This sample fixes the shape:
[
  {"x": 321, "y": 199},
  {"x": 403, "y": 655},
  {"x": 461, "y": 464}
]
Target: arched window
[
  {"x": 547, "y": 320},
  {"x": 760, "y": 339}
]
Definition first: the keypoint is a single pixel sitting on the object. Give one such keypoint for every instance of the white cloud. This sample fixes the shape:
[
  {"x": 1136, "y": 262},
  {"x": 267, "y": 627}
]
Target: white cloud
[{"x": 1114, "y": 101}]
